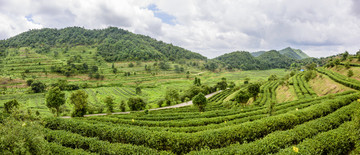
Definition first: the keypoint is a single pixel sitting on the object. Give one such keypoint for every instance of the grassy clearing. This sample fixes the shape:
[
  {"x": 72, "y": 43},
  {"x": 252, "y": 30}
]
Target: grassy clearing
[
  {"x": 285, "y": 93},
  {"x": 323, "y": 85},
  {"x": 342, "y": 70}
]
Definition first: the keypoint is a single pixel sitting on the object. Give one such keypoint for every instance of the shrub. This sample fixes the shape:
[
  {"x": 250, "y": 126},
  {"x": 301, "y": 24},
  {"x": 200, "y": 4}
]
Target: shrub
[
  {"x": 38, "y": 87},
  {"x": 11, "y": 105},
  {"x": 136, "y": 103},
  {"x": 200, "y": 101}
]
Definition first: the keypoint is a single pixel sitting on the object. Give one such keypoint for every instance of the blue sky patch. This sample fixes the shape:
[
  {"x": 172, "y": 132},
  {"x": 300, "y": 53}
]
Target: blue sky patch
[
  {"x": 29, "y": 18},
  {"x": 165, "y": 18}
]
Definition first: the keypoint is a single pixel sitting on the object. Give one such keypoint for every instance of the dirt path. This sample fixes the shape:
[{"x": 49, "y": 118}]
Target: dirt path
[{"x": 168, "y": 107}]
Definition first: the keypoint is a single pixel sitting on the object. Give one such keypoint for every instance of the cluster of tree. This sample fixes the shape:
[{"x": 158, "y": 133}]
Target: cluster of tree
[
  {"x": 113, "y": 44},
  {"x": 72, "y": 69},
  {"x": 252, "y": 90}
]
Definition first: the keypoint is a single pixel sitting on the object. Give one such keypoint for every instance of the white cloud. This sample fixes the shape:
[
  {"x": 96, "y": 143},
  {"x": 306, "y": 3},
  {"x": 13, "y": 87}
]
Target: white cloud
[{"x": 210, "y": 27}]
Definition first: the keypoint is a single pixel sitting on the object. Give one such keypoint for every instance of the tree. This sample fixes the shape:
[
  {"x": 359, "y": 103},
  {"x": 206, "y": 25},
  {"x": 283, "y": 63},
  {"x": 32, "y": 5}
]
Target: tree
[
  {"x": 114, "y": 70},
  {"x": 131, "y": 64},
  {"x": 222, "y": 85},
  {"x": 38, "y": 87},
  {"x": 254, "y": 89},
  {"x": 11, "y": 105},
  {"x": 231, "y": 85},
  {"x": 122, "y": 106},
  {"x": 350, "y": 73},
  {"x": 172, "y": 95},
  {"x": 29, "y": 82},
  {"x": 200, "y": 101},
  {"x": 55, "y": 98},
  {"x": 109, "y": 104},
  {"x": 345, "y": 55},
  {"x": 347, "y": 65},
  {"x": 242, "y": 96},
  {"x": 272, "y": 77},
  {"x": 197, "y": 81},
  {"x": 138, "y": 90},
  {"x": 136, "y": 103},
  {"x": 246, "y": 81},
  {"x": 164, "y": 65},
  {"x": 79, "y": 100},
  {"x": 311, "y": 66}
]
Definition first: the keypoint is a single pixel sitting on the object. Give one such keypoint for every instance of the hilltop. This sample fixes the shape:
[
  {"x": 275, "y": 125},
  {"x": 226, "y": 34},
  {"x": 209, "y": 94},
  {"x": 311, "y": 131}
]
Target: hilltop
[
  {"x": 113, "y": 44},
  {"x": 289, "y": 52},
  {"x": 262, "y": 60}
]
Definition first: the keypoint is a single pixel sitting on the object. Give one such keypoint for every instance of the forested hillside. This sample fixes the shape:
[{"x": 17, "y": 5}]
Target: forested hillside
[
  {"x": 267, "y": 60},
  {"x": 112, "y": 43}
]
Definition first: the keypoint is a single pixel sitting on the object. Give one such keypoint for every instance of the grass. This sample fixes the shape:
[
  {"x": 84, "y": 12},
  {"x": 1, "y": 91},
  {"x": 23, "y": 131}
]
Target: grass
[
  {"x": 323, "y": 85},
  {"x": 285, "y": 93}
]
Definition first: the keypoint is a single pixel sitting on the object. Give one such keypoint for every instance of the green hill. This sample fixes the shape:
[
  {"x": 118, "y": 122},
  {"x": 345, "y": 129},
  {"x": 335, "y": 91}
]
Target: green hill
[
  {"x": 112, "y": 43},
  {"x": 293, "y": 53},
  {"x": 273, "y": 59},
  {"x": 240, "y": 60}
]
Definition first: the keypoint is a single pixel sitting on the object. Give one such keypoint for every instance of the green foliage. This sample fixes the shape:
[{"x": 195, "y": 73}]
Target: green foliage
[
  {"x": 122, "y": 106},
  {"x": 109, "y": 104},
  {"x": 197, "y": 81},
  {"x": 172, "y": 95},
  {"x": 231, "y": 85},
  {"x": 242, "y": 97},
  {"x": 212, "y": 65},
  {"x": 164, "y": 65},
  {"x": 79, "y": 100},
  {"x": 160, "y": 102},
  {"x": 112, "y": 43},
  {"x": 136, "y": 103},
  {"x": 272, "y": 77},
  {"x": 246, "y": 81},
  {"x": 22, "y": 137},
  {"x": 138, "y": 90},
  {"x": 38, "y": 87},
  {"x": 309, "y": 75},
  {"x": 222, "y": 85},
  {"x": 352, "y": 83},
  {"x": 345, "y": 55},
  {"x": 200, "y": 101},
  {"x": 182, "y": 143},
  {"x": 311, "y": 66},
  {"x": 10, "y": 106},
  {"x": 131, "y": 64},
  {"x": 350, "y": 73},
  {"x": 347, "y": 65},
  {"x": 55, "y": 98},
  {"x": 240, "y": 60},
  {"x": 254, "y": 90},
  {"x": 29, "y": 82}
]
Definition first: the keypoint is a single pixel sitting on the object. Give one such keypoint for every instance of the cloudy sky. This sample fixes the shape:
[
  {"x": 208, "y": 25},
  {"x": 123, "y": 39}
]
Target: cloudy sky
[{"x": 210, "y": 27}]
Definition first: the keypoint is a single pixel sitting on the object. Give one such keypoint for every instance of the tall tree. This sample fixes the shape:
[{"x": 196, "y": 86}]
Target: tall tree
[
  {"x": 79, "y": 100},
  {"x": 200, "y": 101},
  {"x": 254, "y": 89},
  {"x": 109, "y": 104},
  {"x": 55, "y": 98}
]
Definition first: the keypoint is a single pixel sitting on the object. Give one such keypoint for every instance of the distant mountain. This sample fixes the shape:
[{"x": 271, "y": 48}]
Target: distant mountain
[
  {"x": 246, "y": 61},
  {"x": 289, "y": 52},
  {"x": 293, "y": 53},
  {"x": 112, "y": 43}
]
